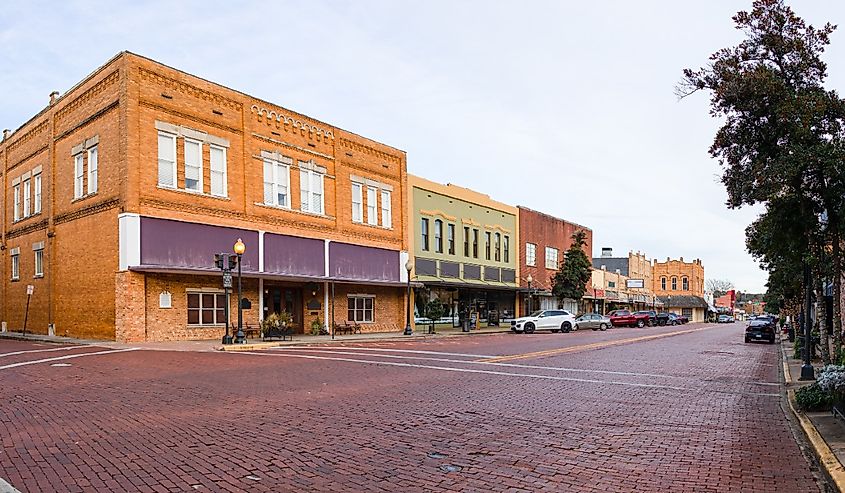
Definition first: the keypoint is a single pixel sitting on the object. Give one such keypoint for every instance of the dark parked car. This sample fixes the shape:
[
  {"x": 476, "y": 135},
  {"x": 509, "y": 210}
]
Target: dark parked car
[
  {"x": 654, "y": 318},
  {"x": 681, "y": 318},
  {"x": 673, "y": 319},
  {"x": 760, "y": 330}
]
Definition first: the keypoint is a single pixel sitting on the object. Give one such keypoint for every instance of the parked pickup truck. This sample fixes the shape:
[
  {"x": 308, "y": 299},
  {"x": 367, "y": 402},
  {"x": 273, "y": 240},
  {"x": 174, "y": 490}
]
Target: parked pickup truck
[{"x": 624, "y": 318}]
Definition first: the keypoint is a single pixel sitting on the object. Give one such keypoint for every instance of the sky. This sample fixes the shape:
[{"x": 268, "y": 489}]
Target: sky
[{"x": 561, "y": 106}]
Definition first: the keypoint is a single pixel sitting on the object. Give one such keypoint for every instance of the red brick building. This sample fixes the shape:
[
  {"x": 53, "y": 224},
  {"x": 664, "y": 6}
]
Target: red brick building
[
  {"x": 544, "y": 240},
  {"x": 118, "y": 194}
]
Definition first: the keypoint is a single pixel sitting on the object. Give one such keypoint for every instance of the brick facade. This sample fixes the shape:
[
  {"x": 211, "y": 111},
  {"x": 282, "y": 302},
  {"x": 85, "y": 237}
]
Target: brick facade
[
  {"x": 120, "y": 110},
  {"x": 693, "y": 272}
]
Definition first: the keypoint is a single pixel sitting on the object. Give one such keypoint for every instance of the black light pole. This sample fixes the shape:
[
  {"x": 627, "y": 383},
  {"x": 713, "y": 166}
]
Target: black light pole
[
  {"x": 239, "y": 249},
  {"x": 807, "y": 371},
  {"x": 225, "y": 262},
  {"x": 408, "y": 330},
  {"x": 529, "y": 279}
]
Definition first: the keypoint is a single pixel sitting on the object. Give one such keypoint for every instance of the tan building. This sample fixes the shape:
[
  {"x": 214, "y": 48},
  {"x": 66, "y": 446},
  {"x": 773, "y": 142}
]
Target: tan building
[
  {"x": 119, "y": 193},
  {"x": 623, "y": 282},
  {"x": 680, "y": 286}
]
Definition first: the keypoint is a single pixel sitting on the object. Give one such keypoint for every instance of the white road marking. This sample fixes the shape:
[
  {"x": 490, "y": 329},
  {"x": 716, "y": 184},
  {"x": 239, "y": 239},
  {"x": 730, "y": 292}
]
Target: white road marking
[
  {"x": 69, "y": 356},
  {"x": 5, "y": 487},
  {"x": 506, "y": 365},
  {"x": 356, "y": 348},
  {"x": 66, "y": 348},
  {"x": 499, "y": 373}
]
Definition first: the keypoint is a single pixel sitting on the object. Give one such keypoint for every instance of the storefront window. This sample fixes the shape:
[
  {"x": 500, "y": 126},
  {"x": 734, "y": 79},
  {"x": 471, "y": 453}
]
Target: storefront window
[
  {"x": 206, "y": 308},
  {"x": 360, "y": 308}
]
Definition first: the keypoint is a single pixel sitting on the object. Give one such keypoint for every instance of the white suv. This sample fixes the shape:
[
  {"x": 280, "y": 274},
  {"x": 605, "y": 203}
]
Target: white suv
[{"x": 554, "y": 320}]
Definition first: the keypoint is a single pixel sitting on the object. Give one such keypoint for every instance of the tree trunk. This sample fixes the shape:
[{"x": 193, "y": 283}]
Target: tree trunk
[
  {"x": 821, "y": 321},
  {"x": 837, "y": 297}
]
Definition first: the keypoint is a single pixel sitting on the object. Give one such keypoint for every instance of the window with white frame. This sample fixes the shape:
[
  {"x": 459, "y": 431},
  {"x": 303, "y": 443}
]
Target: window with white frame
[
  {"x": 205, "y": 308},
  {"x": 276, "y": 179},
  {"x": 38, "y": 249},
  {"x": 166, "y": 160},
  {"x": 16, "y": 190},
  {"x": 93, "y": 158},
  {"x": 663, "y": 283},
  {"x": 438, "y": 236},
  {"x": 36, "y": 181},
  {"x": 450, "y": 238},
  {"x": 372, "y": 206},
  {"x": 16, "y": 264},
  {"x": 386, "y": 211},
  {"x": 530, "y": 254},
  {"x": 507, "y": 249},
  {"x": 311, "y": 191},
  {"x": 357, "y": 203},
  {"x": 685, "y": 284},
  {"x": 551, "y": 258},
  {"x": 27, "y": 189},
  {"x": 78, "y": 175},
  {"x": 674, "y": 284},
  {"x": 218, "y": 170},
  {"x": 193, "y": 165},
  {"x": 424, "y": 233},
  {"x": 498, "y": 248},
  {"x": 360, "y": 308}
]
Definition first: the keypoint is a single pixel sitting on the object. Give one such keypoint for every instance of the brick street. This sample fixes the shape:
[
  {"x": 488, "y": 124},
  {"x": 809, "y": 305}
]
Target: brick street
[{"x": 688, "y": 408}]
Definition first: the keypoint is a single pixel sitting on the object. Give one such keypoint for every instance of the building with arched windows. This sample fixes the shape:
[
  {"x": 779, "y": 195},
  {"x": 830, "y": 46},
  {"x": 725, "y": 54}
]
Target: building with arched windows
[{"x": 680, "y": 286}]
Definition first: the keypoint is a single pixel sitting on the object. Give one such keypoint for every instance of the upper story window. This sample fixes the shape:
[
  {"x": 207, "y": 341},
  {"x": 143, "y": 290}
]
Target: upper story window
[
  {"x": 372, "y": 206},
  {"x": 16, "y": 191},
  {"x": 218, "y": 170},
  {"x": 78, "y": 175},
  {"x": 498, "y": 246},
  {"x": 27, "y": 190},
  {"x": 311, "y": 190},
  {"x": 93, "y": 158},
  {"x": 663, "y": 283},
  {"x": 36, "y": 180},
  {"x": 551, "y": 258},
  {"x": 193, "y": 165},
  {"x": 685, "y": 284},
  {"x": 424, "y": 234},
  {"x": 386, "y": 209},
  {"x": 438, "y": 236},
  {"x": 357, "y": 203},
  {"x": 276, "y": 180},
  {"x": 507, "y": 249},
  {"x": 38, "y": 250},
  {"x": 15, "y": 256},
  {"x": 674, "y": 283},
  {"x": 466, "y": 241},
  {"x": 450, "y": 237},
  {"x": 166, "y": 160},
  {"x": 487, "y": 245},
  {"x": 474, "y": 243},
  {"x": 611, "y": 284},
  {"x": 192, "y": 159},
  {"x": 530, "y": 254}
]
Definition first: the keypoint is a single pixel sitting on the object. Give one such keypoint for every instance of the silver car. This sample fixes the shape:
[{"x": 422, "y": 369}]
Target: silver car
[{"x": 592, "y": 321}]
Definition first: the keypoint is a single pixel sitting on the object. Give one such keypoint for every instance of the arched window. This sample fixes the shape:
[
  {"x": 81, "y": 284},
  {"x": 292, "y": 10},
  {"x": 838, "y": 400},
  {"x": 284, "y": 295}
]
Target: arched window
[
  {"x": 685, "y": 284},
  {"x": 663, "y": 283},
  {"x": 674, "y": 283}
]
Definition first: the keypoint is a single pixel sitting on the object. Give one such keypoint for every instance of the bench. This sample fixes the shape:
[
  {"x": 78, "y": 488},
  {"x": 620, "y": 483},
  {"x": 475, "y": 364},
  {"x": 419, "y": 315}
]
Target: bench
[{"x": 347, "y": 328}]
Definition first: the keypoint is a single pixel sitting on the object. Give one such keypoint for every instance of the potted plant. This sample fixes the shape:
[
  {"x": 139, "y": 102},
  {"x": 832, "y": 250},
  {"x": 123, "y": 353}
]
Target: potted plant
[{"x": 316, "y": 327}]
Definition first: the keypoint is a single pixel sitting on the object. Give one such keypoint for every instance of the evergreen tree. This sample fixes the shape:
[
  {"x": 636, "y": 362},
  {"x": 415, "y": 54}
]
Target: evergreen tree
[{"x": 570, "y": 281}]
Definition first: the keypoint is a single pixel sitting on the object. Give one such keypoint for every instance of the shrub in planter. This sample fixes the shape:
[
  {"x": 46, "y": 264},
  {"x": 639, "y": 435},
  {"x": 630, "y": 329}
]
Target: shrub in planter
[{"x": 813, "y": 398}]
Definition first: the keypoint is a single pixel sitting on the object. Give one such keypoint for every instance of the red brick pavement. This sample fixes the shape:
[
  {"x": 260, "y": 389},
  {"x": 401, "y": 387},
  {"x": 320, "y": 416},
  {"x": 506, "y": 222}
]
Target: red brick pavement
[{"x": 693, "y": 412}]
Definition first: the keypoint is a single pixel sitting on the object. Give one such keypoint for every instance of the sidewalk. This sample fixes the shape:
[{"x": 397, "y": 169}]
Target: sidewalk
[
  {"x": 421, "y": 333},
  {"x": 824, "y": 431}
]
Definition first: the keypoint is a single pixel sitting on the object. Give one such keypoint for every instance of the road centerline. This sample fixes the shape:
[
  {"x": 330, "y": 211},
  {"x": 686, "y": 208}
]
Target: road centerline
[{"x": 67, "y": 356}]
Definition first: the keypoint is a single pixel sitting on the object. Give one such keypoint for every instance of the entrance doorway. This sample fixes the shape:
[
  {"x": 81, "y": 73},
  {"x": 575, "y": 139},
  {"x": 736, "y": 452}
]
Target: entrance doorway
[{"x": 278, "y": 299}]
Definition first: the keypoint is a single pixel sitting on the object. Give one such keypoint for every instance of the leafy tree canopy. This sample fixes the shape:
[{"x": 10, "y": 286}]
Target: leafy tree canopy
[{"x": 570, "y": 281}]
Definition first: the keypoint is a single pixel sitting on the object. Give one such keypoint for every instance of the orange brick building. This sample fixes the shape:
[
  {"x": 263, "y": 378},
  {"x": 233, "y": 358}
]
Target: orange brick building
[
  {"x": 119, "y": 193},
  {"x": 680, "y": 286}
]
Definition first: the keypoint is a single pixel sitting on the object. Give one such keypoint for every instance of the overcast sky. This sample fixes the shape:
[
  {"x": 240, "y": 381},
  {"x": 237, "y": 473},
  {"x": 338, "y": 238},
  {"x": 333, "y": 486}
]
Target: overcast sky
[{"x": 565, "y": 107}]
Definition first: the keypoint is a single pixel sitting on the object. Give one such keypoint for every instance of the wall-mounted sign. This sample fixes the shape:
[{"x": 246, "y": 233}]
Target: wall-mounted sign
[{"x": 635, "y": 283}]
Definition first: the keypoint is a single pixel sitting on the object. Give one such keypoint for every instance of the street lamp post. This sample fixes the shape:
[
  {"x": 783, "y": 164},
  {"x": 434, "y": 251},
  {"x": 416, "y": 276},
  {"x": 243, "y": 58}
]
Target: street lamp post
[
  {"x": 225, "y": 262},
  {"x": 239, "y": 249},
  {"x": 530, "y": 280},
  {"x": 408, "y": 331}
]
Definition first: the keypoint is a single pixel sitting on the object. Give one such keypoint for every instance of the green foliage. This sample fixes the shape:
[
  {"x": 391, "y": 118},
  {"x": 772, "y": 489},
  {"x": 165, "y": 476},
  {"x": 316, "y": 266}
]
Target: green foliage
[
  {"x": 797, "y": 346},
  {"x": 570, "y": 281},
  {"x": 813, "y": 398},
  {"x": 316, "y": 327}
]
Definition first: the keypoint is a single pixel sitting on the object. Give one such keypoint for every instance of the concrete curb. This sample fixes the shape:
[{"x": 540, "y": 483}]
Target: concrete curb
[
  {"x": 357, "y": 340},
  {"x": 828, "y": 460}
]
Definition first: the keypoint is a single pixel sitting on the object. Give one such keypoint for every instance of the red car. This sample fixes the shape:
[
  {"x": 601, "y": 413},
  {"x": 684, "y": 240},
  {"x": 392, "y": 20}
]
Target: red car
[{"x": 624, "y": 318}]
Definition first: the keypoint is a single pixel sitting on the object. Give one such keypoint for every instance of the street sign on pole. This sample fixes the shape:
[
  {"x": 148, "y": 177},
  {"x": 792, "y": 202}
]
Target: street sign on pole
[
  {"x": 227, "y": 279},
  {"x": 29, "y": 289}
]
